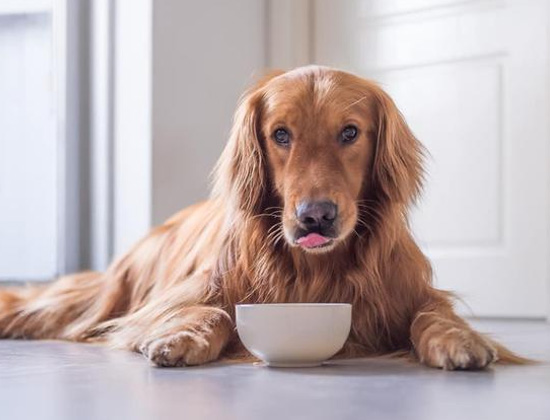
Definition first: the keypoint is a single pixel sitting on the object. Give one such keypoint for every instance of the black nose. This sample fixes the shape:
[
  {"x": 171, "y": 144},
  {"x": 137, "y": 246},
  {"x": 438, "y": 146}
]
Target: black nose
[{"x": 316, "y": 214}]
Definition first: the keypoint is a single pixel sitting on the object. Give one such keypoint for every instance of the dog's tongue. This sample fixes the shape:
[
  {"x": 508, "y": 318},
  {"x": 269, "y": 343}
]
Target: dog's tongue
[{"x": 312, "y": 240}]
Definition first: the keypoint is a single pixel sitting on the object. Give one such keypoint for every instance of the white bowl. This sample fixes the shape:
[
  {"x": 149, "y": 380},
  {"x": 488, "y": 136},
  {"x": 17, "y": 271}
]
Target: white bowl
[{"x": 294, "y": 334}]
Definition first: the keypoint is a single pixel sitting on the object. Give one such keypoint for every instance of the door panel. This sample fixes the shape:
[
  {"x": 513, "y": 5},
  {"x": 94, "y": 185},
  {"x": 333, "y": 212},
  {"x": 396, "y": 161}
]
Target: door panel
[
  {"x": 471, "y": 79},
  {"x": 28, "y": 148}
]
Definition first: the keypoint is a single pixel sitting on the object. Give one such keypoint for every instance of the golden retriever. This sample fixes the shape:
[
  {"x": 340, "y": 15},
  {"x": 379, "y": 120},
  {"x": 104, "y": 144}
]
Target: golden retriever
[{"x": 309, "y": 205}]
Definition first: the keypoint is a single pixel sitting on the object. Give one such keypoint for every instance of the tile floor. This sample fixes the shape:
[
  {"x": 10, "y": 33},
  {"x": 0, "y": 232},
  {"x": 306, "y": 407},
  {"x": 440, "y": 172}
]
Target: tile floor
[{"x": 61, "y": 381}]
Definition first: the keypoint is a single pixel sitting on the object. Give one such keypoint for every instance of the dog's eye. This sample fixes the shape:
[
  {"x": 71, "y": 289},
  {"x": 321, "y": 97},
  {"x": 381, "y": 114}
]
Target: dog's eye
[
  {"x": 348, "y": 134},
  {"x": 281, "y": 136}
]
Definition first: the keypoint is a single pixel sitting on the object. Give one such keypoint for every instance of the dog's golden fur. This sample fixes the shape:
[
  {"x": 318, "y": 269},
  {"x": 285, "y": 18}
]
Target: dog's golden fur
[{"x": 172, "y": 296}]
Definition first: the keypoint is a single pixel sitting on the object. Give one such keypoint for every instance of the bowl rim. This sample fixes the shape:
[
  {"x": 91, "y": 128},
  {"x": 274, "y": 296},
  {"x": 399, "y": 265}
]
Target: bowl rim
[{"x": 291, "y": 305}]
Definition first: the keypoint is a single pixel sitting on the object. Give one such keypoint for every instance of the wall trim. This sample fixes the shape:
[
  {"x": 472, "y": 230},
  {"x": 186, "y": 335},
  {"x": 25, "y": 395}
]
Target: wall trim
[
  {"x": 67, "y": 33},
  {"x": 101, "y": 133},
  {"x": 132, "y": 123}
]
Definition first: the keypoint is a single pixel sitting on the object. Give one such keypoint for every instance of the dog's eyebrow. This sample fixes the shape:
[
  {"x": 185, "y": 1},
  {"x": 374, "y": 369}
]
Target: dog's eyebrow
[{"x": 355, "y": 103}]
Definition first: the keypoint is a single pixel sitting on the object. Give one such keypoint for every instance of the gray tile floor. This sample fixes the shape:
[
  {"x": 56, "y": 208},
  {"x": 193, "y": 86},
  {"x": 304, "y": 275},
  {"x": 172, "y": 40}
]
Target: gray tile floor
[{"x": 56, "y": 380}]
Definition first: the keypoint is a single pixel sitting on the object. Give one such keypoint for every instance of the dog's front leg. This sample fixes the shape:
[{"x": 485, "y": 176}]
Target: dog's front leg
[
  {"x": 441, "y": 339},
  {"x": 198, "y": 335}
]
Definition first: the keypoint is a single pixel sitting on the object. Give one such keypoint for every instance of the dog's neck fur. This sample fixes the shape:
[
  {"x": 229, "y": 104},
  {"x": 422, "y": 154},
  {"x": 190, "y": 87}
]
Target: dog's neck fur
[
  {"x": 276, "y": 272},
  {"x": 353, "y": 272}
]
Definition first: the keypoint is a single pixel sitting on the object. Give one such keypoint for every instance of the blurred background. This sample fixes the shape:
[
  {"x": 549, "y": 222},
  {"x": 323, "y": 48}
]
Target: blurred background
[{"x": 113, "y": 113}]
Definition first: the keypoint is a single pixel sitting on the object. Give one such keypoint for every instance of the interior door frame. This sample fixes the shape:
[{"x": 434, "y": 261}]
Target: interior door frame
[
  {"x": 70, "y": 75},
  {"x": 96, "y": 89},
  {"x": 121, "y": 155},
  {"x": 102, "y": 132}
]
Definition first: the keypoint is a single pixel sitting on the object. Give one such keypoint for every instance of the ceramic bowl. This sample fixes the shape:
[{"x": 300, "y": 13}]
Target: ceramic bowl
[{"x": 294, "y": 334}]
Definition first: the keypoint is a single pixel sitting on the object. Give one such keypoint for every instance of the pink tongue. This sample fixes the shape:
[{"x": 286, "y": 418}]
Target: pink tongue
[{"x": 312, "y": 240}]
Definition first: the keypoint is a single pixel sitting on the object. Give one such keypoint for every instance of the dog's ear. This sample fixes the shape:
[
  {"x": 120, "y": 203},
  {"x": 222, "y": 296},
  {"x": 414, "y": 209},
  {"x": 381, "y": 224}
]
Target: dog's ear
[
  {"x": 398, "y": 162},
  {"x": 241, "y": 173}
]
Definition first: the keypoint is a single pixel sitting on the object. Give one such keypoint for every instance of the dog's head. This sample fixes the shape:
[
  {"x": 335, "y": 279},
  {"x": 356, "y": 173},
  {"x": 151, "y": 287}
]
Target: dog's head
[{"x": 321, "y": 146}]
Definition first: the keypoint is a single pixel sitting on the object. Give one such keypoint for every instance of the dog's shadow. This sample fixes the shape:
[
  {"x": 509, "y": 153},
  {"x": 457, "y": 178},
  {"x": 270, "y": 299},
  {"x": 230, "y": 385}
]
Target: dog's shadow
[
  {"x": 372, "y": 367},
  {"x": 360, "y": 367}
]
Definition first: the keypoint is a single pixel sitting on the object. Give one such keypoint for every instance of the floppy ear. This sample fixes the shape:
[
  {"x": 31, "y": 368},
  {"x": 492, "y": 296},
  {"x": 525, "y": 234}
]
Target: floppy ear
[
  {"x": 241, "y": 173},
  {"x": 397, "y": 171}
]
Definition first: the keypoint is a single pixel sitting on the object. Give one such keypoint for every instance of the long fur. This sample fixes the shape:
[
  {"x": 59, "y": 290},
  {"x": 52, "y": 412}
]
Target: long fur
[{"x": 195, "y": 267}]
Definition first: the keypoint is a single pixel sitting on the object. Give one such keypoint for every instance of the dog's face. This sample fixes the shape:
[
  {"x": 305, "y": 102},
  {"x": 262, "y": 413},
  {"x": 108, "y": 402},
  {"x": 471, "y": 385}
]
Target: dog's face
[
  {"x": 326, "y": 146},
  {"x": 319, "y": 138}
]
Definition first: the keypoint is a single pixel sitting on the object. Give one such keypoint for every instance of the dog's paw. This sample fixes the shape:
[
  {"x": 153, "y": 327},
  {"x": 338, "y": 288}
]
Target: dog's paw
[
  {"x": 198, "y": 338},
  {"x": 184, "y": 348},
  {"x": 457, "y": 348}
]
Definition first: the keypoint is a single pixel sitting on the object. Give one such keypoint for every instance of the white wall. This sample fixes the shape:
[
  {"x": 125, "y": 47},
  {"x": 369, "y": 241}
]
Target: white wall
[
  {"x": 204, "y": 55},
  {"x": 179, "y": 69}
]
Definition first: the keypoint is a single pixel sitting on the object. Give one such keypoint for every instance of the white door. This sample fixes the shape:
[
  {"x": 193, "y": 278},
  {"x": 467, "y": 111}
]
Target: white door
[
  {"x": 39, "y": 139},
  {"x": 28, "y": 144},
  {"x": 471, "y": 78}
]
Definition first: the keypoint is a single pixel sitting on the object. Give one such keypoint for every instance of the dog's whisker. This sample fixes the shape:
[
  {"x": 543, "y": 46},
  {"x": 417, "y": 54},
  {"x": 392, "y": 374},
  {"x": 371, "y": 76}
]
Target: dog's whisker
[
  {"x": 266, "y": 215},
  {"x": 355, "y": 103}
]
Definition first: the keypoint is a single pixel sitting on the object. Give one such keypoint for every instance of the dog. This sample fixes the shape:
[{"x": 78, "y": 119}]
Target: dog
[{"x": 309, "y": 204}]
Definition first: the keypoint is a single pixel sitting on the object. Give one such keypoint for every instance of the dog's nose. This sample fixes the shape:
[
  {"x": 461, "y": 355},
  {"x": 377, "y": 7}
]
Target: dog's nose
[{"x": 316, "y": 214}]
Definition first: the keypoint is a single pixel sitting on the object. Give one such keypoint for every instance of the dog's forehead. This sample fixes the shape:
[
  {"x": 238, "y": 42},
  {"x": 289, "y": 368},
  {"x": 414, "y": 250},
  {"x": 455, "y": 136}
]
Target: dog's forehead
[
  {"x": 316, "y": 88},
  {"x": 304, "y": 86}
]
